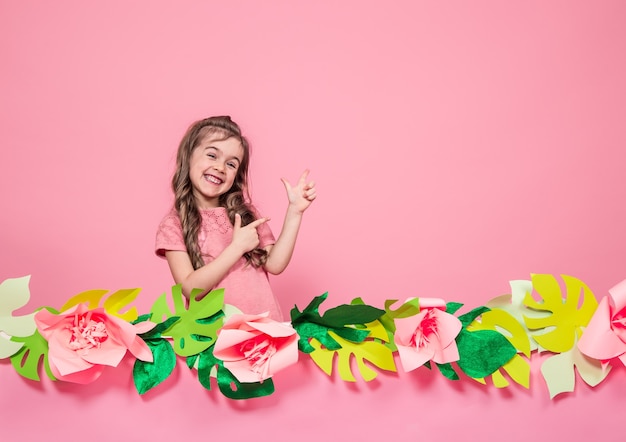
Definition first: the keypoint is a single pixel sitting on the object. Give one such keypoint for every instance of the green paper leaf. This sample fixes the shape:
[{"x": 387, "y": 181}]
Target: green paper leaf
[
  {"x": 307, "y": 331},
  {"x": 453, "y": 307},
  {"x": 310, "y": 325},
  {"x": 448, "y": 371},
  {"x": 467, "y": 318},
  {"x": 191, "y": 360},
  {"x": 148, "y": 375},
  {"x": 483, "y": 352},
  {"x": 228, "y": 384},
  {"x": 311, "y": 308},
  {"x": 158, "y": 329},
  {"x": 203, "y": 317},
  {"x": 206, "y": 362},
  {"x": 35, "y": 351},
  {"x": 142, "y": 318},
  {"x": 345, "y": 314},
  {"x": 233, "y": 389},
  {"x": 501, "y": 321}
]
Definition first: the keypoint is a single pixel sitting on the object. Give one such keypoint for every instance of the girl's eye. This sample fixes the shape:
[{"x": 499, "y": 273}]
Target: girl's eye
[
  {"x": 211, "y": 155},
  {"x": 232, "y": 165}
]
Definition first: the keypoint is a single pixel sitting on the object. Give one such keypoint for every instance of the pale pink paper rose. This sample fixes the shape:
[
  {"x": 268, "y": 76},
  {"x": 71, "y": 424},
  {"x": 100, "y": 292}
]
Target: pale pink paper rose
[
  {"x": 604, "y": 337},
  {"x": 255, "y": 347},
  {"x": 82, "y": 341},
  {"x": 429, "y": 335}
]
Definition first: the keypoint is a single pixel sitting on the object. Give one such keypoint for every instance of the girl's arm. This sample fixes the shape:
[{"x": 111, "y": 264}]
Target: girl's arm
[
  {"x": 209, "y": 275},
  {"x": 300, "y": 198}
]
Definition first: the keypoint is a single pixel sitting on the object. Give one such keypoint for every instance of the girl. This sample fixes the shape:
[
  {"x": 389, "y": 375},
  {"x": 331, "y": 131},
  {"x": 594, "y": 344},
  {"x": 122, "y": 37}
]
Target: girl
[{"x": 213, "y": 237}]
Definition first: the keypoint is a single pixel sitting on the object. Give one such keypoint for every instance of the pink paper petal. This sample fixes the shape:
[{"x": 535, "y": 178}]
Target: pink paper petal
[
  {"x": 140, "y": 350},
  {"x": 65, "y": 360},
  {"x": 618, "y": 294},
  {"x": 598, "y": 340},
  {"x": 241, "y": 370},
  {"x": 110, "y": 353},
  {"x": 228, "y": 343},
  {"x": 412, "y": 358},
  {"x": 448, "y": 327},
  {"x": 236, "y": 321},
  {"x": 273, "y": 328},
  {"x": 82, "y": 377},
  {"x": 432, "y": 303}
]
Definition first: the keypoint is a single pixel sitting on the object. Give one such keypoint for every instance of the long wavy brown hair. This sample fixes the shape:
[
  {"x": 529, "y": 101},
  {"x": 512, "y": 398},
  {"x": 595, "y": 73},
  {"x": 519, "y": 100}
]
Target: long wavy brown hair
[{"x": 236, "y": 200}]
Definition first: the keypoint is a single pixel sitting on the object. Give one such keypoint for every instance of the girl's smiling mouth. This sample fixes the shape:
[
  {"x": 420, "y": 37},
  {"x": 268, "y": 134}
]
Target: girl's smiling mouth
[{"x": 213, "y": 179}]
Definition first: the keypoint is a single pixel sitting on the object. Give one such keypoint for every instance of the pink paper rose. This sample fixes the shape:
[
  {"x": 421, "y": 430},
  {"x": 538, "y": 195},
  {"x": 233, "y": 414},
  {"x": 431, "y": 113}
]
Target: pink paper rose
[
  {"x": 604, "y": 337},
  {"x": 254, "y": 347},
  {"x": 82, "y": 341},
  {"x": 429, "y": 335}
]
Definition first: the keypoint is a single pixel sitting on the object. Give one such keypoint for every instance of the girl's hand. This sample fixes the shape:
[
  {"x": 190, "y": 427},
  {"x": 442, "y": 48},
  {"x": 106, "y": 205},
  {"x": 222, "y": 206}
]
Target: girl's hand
[
  {"x": 246, "y": 238},
  {"x": 302, "y": 194}
]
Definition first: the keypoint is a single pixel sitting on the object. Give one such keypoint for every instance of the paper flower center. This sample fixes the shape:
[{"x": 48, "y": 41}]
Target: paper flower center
[
  {"x": 427, "y": 327},
  {"x": 258, "y": 351},
  {"x": 87, "y": 332}
]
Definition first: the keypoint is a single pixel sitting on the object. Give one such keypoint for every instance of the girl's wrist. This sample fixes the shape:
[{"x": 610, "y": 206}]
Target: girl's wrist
[
  {"x": 292, "y": 209},
  {"x": 235, "y": 249}
]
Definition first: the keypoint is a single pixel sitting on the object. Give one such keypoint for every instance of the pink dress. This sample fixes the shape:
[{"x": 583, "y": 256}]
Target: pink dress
[{"x": 245, "y": 286}]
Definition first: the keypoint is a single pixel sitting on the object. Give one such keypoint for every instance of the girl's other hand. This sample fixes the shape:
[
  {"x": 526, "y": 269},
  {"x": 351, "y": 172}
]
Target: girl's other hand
[
  {"x": 246, "y": 238},
  {"x": 302, "y": 194}
]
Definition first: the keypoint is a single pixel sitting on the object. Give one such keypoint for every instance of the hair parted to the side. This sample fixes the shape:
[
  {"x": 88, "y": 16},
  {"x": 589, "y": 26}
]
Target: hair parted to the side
[{"x": 236, "y": 200}]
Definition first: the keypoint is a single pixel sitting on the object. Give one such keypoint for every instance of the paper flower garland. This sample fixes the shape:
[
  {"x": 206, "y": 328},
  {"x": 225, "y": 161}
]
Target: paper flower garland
[{"x": 243, "y": 352}]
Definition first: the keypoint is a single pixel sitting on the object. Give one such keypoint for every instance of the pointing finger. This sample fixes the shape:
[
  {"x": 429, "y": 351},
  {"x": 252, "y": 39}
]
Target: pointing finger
[{"x": 258, "y": 222}]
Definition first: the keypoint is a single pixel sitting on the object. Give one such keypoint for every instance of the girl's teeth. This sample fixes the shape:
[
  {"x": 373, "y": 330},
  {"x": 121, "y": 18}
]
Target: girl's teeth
[{"x": 213, "y": 179}]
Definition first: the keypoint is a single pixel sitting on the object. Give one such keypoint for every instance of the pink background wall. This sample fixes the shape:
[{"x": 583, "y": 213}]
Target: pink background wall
[{"x": 456, "y": 145}]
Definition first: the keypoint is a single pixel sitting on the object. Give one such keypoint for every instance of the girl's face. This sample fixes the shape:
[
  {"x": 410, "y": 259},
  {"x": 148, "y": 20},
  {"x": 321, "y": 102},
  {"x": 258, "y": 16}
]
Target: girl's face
[{"x": 213, "y": 168}]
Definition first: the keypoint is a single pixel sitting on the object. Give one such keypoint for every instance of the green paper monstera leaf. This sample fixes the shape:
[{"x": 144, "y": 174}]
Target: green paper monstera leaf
[
  {"x": 34, "y": 351},
  {"x": 197, "y": 326},
  {"x": 208, "y": 365}
]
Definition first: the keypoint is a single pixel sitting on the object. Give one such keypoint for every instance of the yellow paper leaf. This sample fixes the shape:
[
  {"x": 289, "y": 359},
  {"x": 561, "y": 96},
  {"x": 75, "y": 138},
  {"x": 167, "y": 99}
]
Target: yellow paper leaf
[
  {"x": 373, "y": 351},
  {"x": 113, "y": 304},
  {"x": 517, "y": 368},
  {"x": 91, "y": 297},
  {"x": 514, "y": 305},
  {"x": 566, "y": 317}
]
